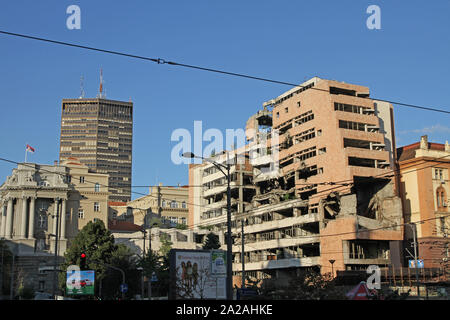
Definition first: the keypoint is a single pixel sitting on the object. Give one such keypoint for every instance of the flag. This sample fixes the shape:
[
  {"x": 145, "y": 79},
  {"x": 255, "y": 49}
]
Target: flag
[{"x": 30, "y": 148}]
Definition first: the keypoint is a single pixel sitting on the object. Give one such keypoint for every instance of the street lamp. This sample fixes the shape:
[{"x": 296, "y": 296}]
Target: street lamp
[
  {"x": 221, "y": 167},
  {"x": 413, "y": 228},
  {"x": 332, "y": 270}
]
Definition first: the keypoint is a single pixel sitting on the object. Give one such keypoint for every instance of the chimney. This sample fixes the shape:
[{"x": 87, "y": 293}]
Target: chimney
[
  {"x": 447, "y": 147},
  {"x": 424, "y": 142}
]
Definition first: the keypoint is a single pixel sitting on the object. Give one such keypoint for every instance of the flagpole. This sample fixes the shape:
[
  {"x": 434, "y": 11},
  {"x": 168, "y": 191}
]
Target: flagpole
[{"x": 26, "y": 152}]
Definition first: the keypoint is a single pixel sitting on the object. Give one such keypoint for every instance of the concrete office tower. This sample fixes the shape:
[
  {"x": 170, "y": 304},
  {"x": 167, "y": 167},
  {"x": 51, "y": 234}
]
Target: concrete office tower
[
  {"x": 99, "y": 133},
  {"x": 331, "y": 181}
]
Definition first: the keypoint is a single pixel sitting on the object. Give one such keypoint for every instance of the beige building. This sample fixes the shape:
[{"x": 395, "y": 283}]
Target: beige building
[
  {"x": 321, "y": 157},
  {"x": 424, "y": 185},
  {"x": 89, "y": 200},
  {"x": 164, "y": 205}
]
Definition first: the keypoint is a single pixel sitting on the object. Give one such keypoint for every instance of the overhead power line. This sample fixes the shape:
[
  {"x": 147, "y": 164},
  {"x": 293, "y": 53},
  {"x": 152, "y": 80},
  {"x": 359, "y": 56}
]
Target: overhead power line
[{"x": 201, "y": 68}]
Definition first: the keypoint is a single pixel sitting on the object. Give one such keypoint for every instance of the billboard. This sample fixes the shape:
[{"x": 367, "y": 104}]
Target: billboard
[
  {"x": 191, "y": 274},
  {"x": 80, "y": 282}
]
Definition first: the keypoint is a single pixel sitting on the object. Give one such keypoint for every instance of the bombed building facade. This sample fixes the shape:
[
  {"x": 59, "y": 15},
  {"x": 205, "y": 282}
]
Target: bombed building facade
[{"x": 314, "y": 188}]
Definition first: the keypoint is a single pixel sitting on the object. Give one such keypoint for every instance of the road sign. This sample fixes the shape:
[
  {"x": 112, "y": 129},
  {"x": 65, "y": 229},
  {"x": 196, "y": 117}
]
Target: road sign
[
  {"x": 154, "y": 277},
  {"x": 123, "y": 287}
]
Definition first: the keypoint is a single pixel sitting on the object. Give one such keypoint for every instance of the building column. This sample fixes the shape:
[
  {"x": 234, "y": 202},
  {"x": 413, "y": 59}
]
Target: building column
[
  {"x": 63, "y": 219},
  {"x": 3, "y": 221},
  {"x": 32, "y": 217},
  {"x": 9, "y": 218},
  {"x": 54, "y": 216},
  {"x": 23, "y": 220}
]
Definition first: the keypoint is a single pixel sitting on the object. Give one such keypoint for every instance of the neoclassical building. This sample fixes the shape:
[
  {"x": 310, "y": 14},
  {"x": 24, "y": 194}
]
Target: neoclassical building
[{"x": 40, "y": 201}]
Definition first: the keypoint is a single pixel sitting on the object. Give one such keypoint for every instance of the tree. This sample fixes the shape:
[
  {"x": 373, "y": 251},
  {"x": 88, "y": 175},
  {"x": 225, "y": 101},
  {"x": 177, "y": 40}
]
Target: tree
[
  {"x": 97, "y": 243},
  {"x": 166, "y": 245},
  {"x": 310, "y": 285},
  {"x": 123, "y": 258},
  {"x": 211, "y": 242}
]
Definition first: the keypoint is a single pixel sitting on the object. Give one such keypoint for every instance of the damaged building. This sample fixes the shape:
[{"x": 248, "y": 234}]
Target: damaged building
[{"x": 319, "y": 191}]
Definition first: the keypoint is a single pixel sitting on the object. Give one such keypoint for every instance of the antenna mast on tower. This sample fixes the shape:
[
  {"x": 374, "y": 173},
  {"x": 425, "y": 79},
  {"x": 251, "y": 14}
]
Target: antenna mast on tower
[
  {"x": 101, "y": 94},
  {"x": 81, "y": 87}
]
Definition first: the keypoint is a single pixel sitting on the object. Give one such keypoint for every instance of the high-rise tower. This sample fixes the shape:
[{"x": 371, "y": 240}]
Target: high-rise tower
[{"x": 99, "y": 132}]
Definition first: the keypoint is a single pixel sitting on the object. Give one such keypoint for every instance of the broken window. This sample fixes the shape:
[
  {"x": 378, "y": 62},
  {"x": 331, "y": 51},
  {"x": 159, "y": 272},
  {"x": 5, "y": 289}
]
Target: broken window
[{"x": 335, "y": 90}]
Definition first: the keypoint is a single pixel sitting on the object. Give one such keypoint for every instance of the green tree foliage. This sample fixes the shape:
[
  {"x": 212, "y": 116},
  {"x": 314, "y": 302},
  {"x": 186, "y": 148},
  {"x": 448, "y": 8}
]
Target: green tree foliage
[
  {"x": 211, "y": 242},
  {"x": 98, "y": 244},
  {"x": 166, "y": 245},
  {"x": 309, "y": 285}
]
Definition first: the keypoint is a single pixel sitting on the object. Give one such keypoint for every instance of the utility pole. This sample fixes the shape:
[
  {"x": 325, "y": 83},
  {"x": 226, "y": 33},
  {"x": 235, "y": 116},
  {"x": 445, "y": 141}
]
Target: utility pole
[
  {"x": 229, "y": 285},
  {"x": 55, "y": 272},
  {"x": 413, "y": 227},
  {"x": 243, "y": 254},
  {"x": 149, "y": 279}
]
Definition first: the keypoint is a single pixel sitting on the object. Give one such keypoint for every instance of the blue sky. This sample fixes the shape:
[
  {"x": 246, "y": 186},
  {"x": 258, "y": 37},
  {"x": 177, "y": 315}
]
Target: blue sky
[{"x": 406, "y": 61}]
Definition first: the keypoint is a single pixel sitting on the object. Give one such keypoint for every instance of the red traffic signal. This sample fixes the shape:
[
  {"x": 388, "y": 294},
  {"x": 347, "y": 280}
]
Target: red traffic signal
[{"x": 83, "y": 261}]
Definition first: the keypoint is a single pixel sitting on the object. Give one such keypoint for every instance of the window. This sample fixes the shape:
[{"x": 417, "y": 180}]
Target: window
[
  {"x": 81, "y": 179},
  {"x": 439, "y": 174},
  {"x": 42, "y": 221},
  {"x": 80, "y": 214},
  {"x": 278, "y": 115},
  {"x": 96, "y": 206},
  {"x": 174, "y": 204},
  {"x": 286, "y": 109},
  {"x": 319, "y": 132},
  {"x": 163, "y": 203},
  {"x": 183, "y": 205},
  {"x": 298, "y": 104},
  {"x": 97, "y": 187},
  {"x": 41, "y": 285}
]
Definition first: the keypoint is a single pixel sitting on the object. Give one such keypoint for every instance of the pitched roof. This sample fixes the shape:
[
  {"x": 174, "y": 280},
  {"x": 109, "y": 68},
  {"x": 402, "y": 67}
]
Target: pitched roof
[{"x": 117, "y": 225}]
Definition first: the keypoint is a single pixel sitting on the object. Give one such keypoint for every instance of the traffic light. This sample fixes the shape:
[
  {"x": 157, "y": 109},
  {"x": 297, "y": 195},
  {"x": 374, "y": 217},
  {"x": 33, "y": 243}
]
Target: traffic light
[{"x": 83, "y": 261}]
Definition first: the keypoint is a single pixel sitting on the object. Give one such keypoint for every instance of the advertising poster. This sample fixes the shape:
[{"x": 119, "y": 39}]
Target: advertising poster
[
  {"x": 218, "y": 263},
  {"x": 192, "y": 273},
  {"x": 80, "y": 282}
]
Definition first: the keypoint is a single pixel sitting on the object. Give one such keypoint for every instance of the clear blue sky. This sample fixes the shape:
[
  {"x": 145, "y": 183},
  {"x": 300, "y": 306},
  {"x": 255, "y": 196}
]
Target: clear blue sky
[{"x": 408, "y": 60}]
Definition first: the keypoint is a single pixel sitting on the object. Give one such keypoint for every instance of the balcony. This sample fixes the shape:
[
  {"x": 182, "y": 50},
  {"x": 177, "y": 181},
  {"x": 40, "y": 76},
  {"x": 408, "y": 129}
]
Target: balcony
[{"x": 278, "y": 264}]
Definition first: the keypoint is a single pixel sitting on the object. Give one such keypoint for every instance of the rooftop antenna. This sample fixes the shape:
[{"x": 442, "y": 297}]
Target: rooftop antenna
[
  {"x": 81, "y": 87},
  {"x": 101, "y": 93}
]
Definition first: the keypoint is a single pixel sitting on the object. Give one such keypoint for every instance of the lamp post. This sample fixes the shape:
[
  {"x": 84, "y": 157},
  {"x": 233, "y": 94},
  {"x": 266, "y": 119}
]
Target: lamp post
[
  {"x": 221, "y": 168},
  {"x": 332, "y": 270},
  {"x": 55, "y": 277},
  {"x": 413, "y": 228}
]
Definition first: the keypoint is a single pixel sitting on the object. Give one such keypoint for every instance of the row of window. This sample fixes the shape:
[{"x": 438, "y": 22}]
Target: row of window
[{"x": 174, "y": 204}]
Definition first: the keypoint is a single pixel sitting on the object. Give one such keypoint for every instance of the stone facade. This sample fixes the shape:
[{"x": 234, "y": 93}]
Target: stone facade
[{"x": 40, "y": 201}]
